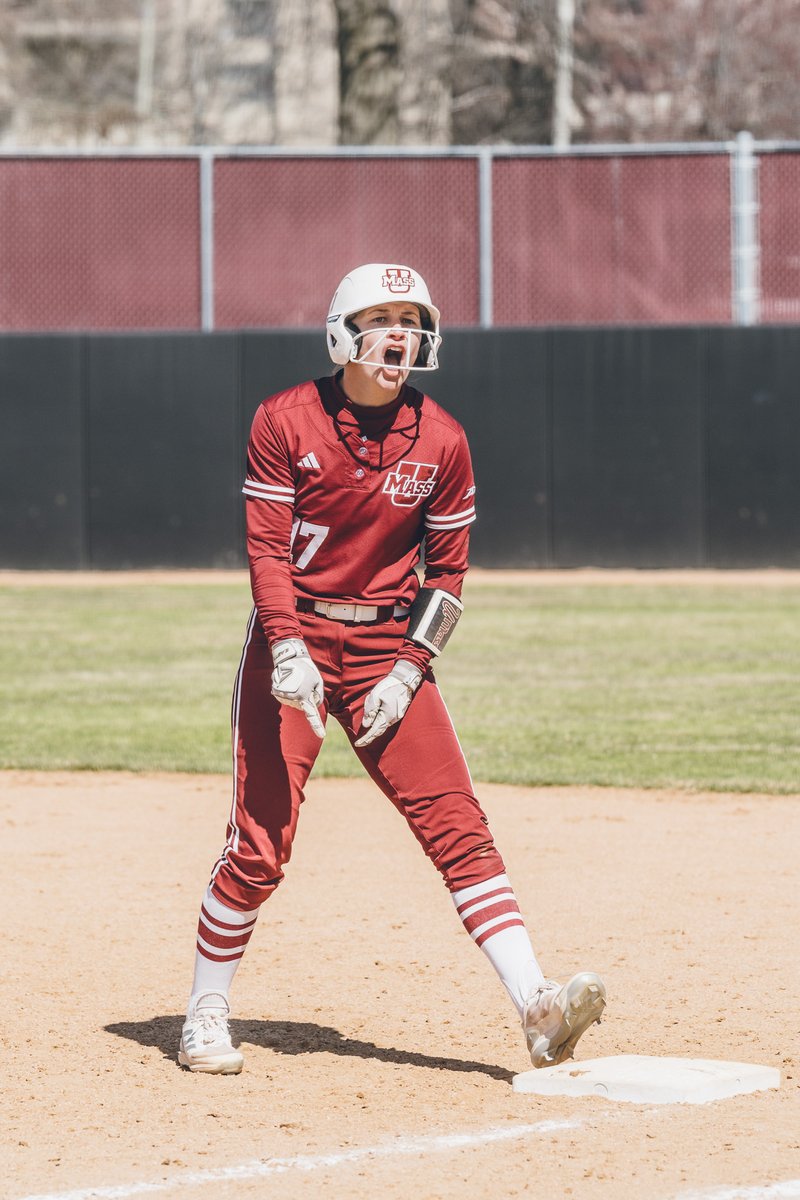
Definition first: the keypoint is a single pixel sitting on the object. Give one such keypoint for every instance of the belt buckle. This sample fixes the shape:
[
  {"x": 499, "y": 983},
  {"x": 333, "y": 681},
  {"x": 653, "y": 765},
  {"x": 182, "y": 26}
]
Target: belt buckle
[
  {"x": 341, "y": 611},
  {"x": 365, "y": 612},
  {"x": 338, "y": 611}
]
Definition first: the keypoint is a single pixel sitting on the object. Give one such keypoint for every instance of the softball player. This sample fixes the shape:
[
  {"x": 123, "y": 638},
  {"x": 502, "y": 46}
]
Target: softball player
[{"x": 346, "y": 477}]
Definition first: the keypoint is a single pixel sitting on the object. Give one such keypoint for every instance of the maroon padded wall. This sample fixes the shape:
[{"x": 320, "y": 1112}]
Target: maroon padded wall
[
  {"x": 94, "y": 244},
  {"x": 287, "y": 229},
  {"x": 612, "y": 240}
]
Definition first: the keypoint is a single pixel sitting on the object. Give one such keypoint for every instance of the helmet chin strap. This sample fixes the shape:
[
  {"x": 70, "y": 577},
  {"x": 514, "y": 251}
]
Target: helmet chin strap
[{"x": 374, "y": 355}]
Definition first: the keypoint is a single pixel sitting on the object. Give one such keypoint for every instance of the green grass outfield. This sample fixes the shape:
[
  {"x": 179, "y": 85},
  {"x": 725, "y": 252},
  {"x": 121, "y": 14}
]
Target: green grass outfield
[{"x": 644, "y": 683}]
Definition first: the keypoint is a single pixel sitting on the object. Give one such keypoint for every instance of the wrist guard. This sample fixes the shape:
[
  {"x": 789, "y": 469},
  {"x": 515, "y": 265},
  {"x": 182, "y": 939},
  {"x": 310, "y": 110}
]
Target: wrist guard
[
  {"x": 407, "y": 673},
  {"x": 287, "y": 648},
  {"x": 432, "y": 618}
]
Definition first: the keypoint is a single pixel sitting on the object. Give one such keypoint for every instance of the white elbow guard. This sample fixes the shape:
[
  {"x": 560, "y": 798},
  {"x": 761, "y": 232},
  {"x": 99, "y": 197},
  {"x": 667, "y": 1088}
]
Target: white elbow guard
[{"x": 433, "y": 617}]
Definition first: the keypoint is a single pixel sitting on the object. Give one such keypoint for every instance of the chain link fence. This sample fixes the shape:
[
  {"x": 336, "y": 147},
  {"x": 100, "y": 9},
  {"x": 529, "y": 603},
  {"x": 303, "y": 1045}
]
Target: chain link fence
[
  {"x": 231, "y": 239},
  {"x": 287, "y": 229},
  {"x": 779, "y": 223},
  {"x": 100, "y": 243},
  {"x": 612, "y": 240}
]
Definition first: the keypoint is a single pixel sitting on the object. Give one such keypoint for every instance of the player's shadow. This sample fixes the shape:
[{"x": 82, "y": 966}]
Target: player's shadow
[{"x": 298, "y": 1037}]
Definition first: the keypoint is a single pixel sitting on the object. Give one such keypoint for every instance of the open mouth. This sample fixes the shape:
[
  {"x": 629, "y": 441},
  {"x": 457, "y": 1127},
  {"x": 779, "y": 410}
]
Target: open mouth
[{"x": 392, "y": 357}]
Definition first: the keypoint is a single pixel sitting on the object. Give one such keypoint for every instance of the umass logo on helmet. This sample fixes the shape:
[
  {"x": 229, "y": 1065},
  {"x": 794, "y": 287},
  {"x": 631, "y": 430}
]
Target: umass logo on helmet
[
  {"x": 398, "y": 279},
  {"x": 410, "y": 483}
]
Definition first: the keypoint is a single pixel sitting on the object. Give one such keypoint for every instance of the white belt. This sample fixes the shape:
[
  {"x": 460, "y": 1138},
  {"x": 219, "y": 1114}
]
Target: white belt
[{"x": 336, "y": 611}]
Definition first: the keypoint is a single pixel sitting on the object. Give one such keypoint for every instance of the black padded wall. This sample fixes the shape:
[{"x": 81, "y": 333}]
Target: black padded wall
[
  {"x": 627, "y": 448},
  {"x": 614, "y": 447},
  {"x": 496, "y": 386},
  {"x": 42, "y": 484},
  {"x": 754, "y": 448},
  {"x": 162, "y": 415}
]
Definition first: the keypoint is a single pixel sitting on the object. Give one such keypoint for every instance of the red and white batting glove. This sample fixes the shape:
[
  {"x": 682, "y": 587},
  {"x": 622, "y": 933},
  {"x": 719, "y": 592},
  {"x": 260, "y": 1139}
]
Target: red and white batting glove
[
  {"x": 296, "y": 680},
  {"x": 388, "y": 701}
]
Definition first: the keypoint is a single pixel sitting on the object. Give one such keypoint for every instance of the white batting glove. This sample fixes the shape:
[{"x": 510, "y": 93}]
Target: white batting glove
[
  {"x": 388, "y": 700},
  {"x": 296, "y": 680}
]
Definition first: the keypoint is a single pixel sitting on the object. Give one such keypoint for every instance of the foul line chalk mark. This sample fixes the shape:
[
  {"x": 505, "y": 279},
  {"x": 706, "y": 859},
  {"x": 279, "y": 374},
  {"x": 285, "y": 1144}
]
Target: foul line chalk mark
[
  {"x": 260, "y": 1168},
  {"x": 786, "y": 1190}
]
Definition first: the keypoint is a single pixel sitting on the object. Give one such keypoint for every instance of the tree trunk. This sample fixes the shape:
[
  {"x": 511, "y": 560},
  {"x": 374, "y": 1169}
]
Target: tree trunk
[
  {"x": 562, "y": 92},
  {"x": 425, "y": 98},
  {"x": 306, "y": 74},
  {"x": 369, "y": 73}
]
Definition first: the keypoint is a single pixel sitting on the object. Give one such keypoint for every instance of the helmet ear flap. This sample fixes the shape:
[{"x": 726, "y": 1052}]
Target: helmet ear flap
[
  {"x": 354, "y": 332},
  {"x": 340, "y": 333}
]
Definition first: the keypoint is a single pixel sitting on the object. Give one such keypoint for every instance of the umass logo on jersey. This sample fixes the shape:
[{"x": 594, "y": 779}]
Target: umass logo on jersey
[{"x": 410, "y": 483}]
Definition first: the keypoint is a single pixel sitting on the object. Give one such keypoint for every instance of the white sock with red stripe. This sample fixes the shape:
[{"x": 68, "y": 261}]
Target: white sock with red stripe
[
  {"x": 491, "y": 917},
  {"x": 222, "y": 935}
]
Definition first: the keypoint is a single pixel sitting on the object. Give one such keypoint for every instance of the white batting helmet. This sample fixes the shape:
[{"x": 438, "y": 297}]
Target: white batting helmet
[{"x": 377, "y": 283}]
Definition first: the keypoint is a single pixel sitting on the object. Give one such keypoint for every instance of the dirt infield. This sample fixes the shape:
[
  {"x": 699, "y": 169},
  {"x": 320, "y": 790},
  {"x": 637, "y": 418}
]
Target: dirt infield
[
  {"x": 373, "y": 1030},
  {"x": 768, "y": 577}
]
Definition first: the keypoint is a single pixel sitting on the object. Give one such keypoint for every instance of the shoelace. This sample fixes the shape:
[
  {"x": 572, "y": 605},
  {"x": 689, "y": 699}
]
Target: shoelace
[
  {"x": 214, "y": 1026},
  {"x": 547, "y": 985}
]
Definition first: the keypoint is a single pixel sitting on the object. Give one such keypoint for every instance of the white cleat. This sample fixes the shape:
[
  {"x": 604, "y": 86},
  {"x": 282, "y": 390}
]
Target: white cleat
[
  {"x": 556, "y": 1016},
  {"x": 206, "y": 1040}
]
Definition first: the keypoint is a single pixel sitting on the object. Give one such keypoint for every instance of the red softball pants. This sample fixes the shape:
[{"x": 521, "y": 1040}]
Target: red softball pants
[{"x": 417, "y": 763}]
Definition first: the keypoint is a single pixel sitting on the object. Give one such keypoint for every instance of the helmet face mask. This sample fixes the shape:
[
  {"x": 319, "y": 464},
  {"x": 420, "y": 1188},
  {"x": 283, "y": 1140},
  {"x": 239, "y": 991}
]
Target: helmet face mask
[
  {"x": 414, "y": 348},
  {"x": 375, "y": 285}
]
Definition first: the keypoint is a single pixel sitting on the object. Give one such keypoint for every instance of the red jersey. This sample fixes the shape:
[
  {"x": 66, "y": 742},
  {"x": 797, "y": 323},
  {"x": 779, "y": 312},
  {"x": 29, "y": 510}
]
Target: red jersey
[{"x": 340, "y": 498}]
